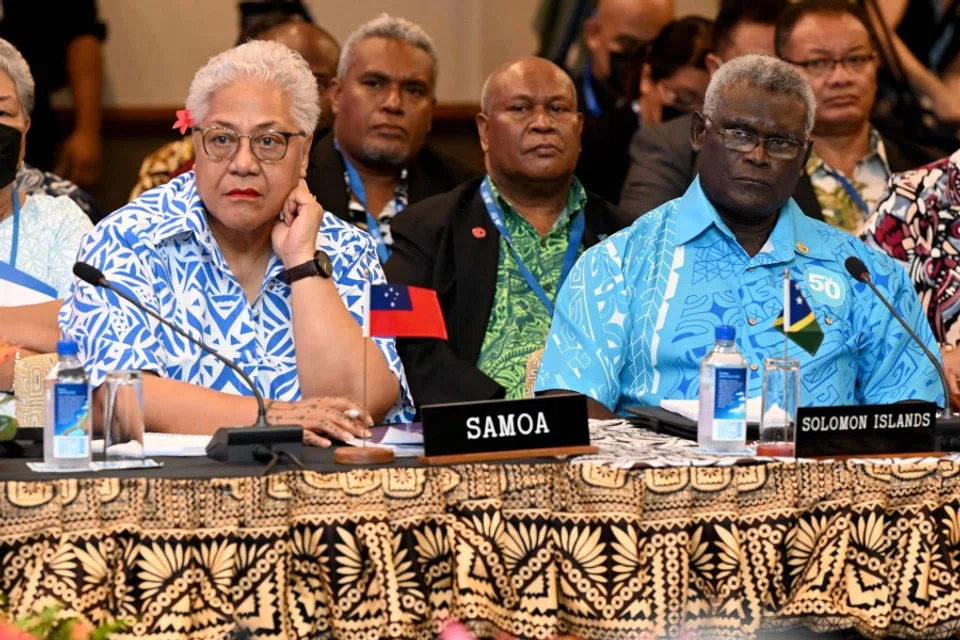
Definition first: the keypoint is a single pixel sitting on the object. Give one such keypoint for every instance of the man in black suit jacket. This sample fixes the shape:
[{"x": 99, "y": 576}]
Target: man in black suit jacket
[
  {"x": 374, "y": 162},
  {"x": 530, "y": 134}
]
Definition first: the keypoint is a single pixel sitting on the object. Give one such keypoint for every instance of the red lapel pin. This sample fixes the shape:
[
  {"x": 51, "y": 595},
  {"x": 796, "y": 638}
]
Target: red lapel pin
[{"x": 479, "y": 232}]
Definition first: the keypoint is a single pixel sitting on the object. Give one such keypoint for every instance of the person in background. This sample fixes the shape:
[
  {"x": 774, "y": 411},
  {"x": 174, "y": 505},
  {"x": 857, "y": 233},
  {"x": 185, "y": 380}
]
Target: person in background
[
  {"x": 313, "y": 43},
  {"x": 239, "y": 252},
  {"x": 917, "y": 223},
  {"x": 375, "y": 163},
  {"x": 924, "y": 38},
  {"x": 498, "y": 249},
  {"x": 31, "y": 180},
  {"x": 39, "y": 234},
  {"x": 661, "y": 158},
  {"x": 674, "y": 76},
  {"x": 607, "y": 90},
  {"x": 61, "y": 42},
  {"x": 830, "y": 42},
  {"x": 638, "y": 312}
]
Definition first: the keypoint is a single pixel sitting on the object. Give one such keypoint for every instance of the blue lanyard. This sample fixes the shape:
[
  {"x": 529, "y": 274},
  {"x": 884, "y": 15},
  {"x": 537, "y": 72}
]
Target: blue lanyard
[
  {"x": 589, "y": 95},
  {"x": 573, "y": 245},
  {"x": 16, "y": 230},
  {"x": 857, "y": 200},
  {"x": 360, "y": 193}
]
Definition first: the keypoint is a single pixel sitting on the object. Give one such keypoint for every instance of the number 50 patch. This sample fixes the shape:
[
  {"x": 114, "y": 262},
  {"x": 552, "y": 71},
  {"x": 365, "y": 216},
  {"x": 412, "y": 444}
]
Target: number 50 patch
[{"x": 826, "y": 287}]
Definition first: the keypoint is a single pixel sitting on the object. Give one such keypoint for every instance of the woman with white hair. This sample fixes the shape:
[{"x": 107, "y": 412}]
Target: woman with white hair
[
  {"x": 241, "y": 255},
  {"x": 39, "y": 234}
]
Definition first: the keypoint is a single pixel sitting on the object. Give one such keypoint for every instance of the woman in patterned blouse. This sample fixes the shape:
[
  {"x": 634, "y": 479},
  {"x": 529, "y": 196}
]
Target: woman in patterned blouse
[
  {"x": 918, "y": 223},
  {"x": 39, "y": 234},
  {"x": 212, "y": 252}
]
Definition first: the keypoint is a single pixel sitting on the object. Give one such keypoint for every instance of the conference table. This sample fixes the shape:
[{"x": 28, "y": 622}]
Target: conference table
[{"x": 646, "y": 538}]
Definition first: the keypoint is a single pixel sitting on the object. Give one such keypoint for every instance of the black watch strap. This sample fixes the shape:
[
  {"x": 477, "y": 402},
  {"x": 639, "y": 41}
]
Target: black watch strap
[{"x": 319, "y": 266}]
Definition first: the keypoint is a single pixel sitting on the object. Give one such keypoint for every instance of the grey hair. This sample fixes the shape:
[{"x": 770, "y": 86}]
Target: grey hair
[
  {"x": 390, "y": 28},
  {"x": 763, "y": 72},
  {"x": 264, "y": 60},
  {"x": 13, "y": 63}
]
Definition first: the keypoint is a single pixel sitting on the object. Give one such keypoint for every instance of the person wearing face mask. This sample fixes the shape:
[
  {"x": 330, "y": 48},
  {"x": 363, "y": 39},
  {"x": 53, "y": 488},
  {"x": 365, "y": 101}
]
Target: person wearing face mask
[
  {"x": 39, "y": 234},
  {"x": 608, "y": 88},
  {"x": 674, "y": 76}
]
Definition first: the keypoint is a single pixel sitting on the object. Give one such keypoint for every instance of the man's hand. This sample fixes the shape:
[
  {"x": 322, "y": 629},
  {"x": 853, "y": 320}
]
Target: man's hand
[
  {"x": 295, "y": 233},
  {"x": 323, "y": 418},
  {"x": 81, "y": 160}
]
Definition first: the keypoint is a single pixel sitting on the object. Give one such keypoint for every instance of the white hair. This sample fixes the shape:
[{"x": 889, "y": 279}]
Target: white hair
[
  {"x": 763, "y": 72},
  {"x": 13, "y": 63},
  {"x": 264, "y": 60},
  {"x": 390, "y": 28}
]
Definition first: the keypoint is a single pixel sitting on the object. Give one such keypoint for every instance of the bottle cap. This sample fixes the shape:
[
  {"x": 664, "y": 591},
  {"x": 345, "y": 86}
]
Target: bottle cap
[
  {"x": 726, "y": 333},
  {"x": 66, "y": 348}
]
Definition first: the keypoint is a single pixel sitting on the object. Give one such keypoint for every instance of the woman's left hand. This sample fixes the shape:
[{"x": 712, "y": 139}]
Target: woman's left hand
[{"x": 295, "y": 233}]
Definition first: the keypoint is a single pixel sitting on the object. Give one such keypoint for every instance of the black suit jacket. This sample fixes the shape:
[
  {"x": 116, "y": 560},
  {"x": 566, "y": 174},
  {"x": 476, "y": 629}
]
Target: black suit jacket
[
  {"x": 604, "y": 143},
  {"x": 663, "y": 164},
  {"x": 447, "y": 243},
  {"x": 430, "y": 173}
]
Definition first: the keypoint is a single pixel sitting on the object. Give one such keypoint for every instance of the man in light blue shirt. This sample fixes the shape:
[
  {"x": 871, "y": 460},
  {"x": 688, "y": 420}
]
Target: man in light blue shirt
[{"x": 637, "y": 314}]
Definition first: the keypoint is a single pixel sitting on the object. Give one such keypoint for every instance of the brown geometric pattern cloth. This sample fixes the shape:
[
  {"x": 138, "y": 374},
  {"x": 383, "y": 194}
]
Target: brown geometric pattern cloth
[{"x": 533, "y": 550}]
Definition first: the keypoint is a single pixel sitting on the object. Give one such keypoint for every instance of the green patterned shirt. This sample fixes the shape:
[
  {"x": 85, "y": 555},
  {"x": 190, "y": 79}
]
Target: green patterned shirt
[
  {"x": 869, "y": 179},
  {"x": 519, "y": 322}
]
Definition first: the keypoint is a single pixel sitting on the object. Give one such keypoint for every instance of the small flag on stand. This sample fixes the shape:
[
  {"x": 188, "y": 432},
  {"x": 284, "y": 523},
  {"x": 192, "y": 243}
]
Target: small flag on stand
[
  {"x": 401, "y": 311},
  {"x": 802, "y": 325}
]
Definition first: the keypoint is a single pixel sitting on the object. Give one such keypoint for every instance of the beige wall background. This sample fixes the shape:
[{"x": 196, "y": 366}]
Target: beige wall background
[{"x": 155, "y": 46}]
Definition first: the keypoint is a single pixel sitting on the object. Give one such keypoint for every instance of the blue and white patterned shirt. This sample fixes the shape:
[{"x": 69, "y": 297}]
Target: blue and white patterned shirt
[
  {"x": 159, "y": 248},
  {"x": 637, "y": 314}
]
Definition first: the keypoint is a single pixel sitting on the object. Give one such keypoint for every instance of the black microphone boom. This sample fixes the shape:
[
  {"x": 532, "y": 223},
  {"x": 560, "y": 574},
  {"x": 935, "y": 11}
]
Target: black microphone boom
[
  {"x": 858, "y": 271},
  {"x": 91, "y": 275}
]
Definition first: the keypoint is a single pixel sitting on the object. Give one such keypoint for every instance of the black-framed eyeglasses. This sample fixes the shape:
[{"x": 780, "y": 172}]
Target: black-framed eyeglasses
[
  {"x": 818, "y": 67},
  {"x": 744, "y": 142},
  {"x": 220, "y": 143}
]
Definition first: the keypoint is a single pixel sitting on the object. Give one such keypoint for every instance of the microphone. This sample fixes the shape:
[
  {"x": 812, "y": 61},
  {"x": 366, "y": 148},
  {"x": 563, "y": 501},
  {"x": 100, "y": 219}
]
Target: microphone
[
  {"x": 858, "y": 271},
  {"x": 279, "y": 434}
]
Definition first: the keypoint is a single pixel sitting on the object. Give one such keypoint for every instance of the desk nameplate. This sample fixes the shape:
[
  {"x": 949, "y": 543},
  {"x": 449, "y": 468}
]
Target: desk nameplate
[
  {"x": 505, "y": 429},
  {"x": 888, "y": 429}
]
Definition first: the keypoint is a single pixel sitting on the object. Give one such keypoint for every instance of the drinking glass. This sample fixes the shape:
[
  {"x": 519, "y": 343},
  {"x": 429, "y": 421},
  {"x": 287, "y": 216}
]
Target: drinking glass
[
  {"x": 781, "y": 395},
  {"x": 123, "y": 420}
]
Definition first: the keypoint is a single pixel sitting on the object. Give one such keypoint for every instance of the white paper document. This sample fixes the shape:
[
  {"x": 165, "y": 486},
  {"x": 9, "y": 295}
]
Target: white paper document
[{"x": 172, "y": 445}]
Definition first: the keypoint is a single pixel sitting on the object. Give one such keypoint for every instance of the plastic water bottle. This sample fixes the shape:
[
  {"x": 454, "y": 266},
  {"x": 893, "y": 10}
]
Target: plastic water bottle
[
  {"x": 66, "y": 434},
  {"x": 723, "y": 396}
]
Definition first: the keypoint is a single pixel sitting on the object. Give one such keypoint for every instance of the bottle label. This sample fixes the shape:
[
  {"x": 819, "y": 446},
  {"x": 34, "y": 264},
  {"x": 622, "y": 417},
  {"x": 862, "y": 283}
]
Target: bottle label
[
  {"x": 71, "y": 425},
  {"x": 730, "y": 404}
]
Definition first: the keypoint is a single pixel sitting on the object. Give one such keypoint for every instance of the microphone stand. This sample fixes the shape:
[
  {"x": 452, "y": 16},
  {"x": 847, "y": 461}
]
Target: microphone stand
[
  {"x": 947, "y": 409},
  {"x": 947, "y": 432},
  {"x": 233, "y": 444}
]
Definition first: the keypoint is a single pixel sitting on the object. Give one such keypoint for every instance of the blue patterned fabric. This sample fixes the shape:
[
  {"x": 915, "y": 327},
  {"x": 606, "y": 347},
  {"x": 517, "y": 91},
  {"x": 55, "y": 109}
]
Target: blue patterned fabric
[
  {"x": 637, "y": 314},
  {"x": 160, "y": 250}
]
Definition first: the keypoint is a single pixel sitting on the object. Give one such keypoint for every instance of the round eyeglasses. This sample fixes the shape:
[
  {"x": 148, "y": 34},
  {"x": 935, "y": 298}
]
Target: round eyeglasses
[
  {"x": 220, "y": 143},
  {"x": 744, "y": 142}
]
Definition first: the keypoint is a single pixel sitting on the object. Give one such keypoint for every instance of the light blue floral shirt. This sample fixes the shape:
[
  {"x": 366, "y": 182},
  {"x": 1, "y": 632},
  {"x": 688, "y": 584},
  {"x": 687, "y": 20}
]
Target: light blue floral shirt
[
  {"x": 637, "y": 314},
  {"x": 50, "y": 233},
  {"x": 159, "y": 248}
]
